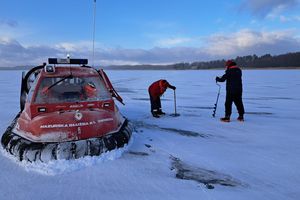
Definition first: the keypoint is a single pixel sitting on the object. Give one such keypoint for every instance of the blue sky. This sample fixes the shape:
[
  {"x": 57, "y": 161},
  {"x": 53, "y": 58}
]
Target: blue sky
[{"x": 140, "y": 31}]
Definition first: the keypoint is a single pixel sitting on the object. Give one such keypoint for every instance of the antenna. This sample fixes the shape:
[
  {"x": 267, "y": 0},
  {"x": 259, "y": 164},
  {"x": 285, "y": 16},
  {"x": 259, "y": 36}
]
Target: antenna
[{"x": 95, "y": 3}]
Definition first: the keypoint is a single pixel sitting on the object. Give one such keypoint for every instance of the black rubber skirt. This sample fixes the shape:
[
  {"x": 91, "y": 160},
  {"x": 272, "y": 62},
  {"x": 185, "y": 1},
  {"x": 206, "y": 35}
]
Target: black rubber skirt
[{"x": 27, "y": 150}]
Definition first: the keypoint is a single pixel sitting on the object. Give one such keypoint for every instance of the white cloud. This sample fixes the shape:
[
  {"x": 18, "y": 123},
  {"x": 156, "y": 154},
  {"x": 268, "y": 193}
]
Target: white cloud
[
  {"x": 253, "y": 42},
  {"x": 268, "y": 8},
  {"x": 218, "y": 46},
  {"x": 169, "y": 42},
  {"x": 6, "y": 40},
  {"x": 116, "y": 62},
  {"x": 12, "y": 53},
  {"x": 285, "y": 19},
  {"x": 81, "y": 46}
]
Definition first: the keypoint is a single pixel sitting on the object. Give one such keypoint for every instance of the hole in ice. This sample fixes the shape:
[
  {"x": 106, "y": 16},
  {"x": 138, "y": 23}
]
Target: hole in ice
[{"x": 207, "y": 177}]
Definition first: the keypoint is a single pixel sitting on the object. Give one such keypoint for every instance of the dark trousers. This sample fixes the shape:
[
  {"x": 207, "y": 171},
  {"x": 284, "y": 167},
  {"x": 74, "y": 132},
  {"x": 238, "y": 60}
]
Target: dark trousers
[
  {"x": 237, "y": 99},
  {"x": 155, "y": 104}
]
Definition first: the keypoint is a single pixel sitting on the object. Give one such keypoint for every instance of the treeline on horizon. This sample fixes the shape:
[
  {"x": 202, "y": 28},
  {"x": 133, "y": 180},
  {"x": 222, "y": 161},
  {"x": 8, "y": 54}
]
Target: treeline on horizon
[{"x": 289, "y": 60}]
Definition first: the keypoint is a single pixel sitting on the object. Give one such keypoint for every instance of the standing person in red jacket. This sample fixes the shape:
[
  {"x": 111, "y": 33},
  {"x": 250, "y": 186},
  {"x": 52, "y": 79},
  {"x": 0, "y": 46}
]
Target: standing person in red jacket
[{"x": 155, "y": 90}]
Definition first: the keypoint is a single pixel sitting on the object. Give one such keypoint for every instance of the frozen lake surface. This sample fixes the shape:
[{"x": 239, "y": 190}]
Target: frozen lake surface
[{"x": 177, "y": 158}]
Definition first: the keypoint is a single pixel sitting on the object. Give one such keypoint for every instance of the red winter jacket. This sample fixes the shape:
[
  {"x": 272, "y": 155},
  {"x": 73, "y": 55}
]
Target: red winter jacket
[{"x": 157, "y": 88}]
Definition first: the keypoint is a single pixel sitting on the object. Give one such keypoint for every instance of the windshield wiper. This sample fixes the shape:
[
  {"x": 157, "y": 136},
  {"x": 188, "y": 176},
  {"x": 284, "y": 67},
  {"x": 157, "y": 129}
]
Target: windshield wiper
[{"x": 61, "y": 80}]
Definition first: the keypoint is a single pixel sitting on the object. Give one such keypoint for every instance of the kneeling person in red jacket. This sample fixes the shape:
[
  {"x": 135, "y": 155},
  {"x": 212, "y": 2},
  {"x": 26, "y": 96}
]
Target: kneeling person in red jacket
[{"x": 155, "y": 90}]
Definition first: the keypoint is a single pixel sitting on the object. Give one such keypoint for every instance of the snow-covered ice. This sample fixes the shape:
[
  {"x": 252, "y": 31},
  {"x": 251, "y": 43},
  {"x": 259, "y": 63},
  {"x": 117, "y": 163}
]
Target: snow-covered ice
[{"x": 177, "y": 157}]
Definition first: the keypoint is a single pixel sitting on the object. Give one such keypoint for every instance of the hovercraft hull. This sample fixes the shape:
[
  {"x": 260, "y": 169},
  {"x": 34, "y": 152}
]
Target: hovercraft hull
[{"x": 27, "y": 150}]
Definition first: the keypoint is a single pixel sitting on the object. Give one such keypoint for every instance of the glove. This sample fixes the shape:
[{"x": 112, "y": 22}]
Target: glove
[
  {"x": 172, "y": 87},
  {"x": 217, "y": 78}
]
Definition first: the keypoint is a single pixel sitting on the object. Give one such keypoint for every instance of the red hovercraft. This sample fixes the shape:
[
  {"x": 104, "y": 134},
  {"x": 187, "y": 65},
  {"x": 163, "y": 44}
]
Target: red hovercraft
[{"x": 67, "y": 112}]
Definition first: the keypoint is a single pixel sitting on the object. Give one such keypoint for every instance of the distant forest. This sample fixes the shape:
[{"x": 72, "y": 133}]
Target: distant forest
[
  {"x": 289, "y": 60},
  {"x": 283, "y": 61}
]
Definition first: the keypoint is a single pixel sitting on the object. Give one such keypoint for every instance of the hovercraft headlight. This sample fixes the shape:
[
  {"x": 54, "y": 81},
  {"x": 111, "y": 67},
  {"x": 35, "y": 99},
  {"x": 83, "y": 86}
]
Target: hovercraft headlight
[{"x": 49, "y": 69}]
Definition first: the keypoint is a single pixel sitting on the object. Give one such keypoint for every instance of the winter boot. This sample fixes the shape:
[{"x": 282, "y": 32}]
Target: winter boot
[
  {"x": 240, "y": 118},
  {"x": 225, "y": 119},
  {"x": 155, "y": 114},
  {"x": 160, "y": 112}
]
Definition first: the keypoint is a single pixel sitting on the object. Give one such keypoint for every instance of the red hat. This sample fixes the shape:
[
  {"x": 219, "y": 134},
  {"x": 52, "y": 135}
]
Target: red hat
[{"x": 230, "y": 63}]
